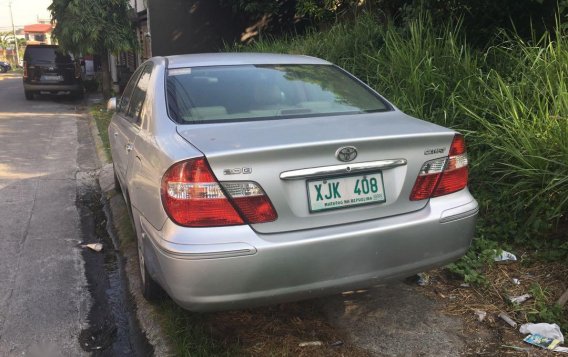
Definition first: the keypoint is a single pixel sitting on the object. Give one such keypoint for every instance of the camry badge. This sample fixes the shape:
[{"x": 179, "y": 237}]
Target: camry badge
[
  {"x": 434, "y": 151},
  {"x": 238, "y": 171},
  {"x": 346, "y": 153}
]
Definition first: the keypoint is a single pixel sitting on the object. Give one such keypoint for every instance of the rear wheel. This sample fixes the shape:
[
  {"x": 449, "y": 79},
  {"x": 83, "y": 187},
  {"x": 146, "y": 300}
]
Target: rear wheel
[
  {"x": 77, "y": 95},
  {"x": 150, "y": 289},
  {"x": 116, "y": 182},
  {"x": 29, "y": 95}
]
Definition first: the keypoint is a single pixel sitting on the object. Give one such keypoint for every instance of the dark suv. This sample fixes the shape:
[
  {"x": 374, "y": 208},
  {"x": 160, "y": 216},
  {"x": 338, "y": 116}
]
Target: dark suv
[{"x": 47, "y": 69}]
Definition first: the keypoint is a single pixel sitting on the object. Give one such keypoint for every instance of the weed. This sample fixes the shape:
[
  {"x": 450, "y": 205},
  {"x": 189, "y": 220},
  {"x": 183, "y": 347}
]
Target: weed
[
  {"x": 511, "y": 102},
  {"x": 471, "y": 267},
  {"x": 542, "y": 309},
  {"x": 190, "y": 335},
  {"x": 102, "y": 119}
]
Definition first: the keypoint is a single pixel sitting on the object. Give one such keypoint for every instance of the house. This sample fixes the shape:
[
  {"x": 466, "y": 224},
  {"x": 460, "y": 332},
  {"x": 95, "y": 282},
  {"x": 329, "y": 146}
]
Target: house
[
  {"x": 182, "y": 26},
  {"x": 170, "y": 27},
  {"x": 38, "y": 34}
]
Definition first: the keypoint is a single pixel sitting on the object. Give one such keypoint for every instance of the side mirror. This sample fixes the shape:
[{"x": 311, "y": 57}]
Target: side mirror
[{"x": 111, "y": 104}]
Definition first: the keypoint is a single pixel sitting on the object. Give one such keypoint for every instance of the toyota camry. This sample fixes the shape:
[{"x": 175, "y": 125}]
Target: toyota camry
[{"x": 259, "y": 178}]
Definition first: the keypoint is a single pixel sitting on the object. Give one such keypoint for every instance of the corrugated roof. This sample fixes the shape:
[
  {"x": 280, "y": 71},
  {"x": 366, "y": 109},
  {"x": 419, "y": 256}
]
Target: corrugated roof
[{"x": 38, "y": 28}]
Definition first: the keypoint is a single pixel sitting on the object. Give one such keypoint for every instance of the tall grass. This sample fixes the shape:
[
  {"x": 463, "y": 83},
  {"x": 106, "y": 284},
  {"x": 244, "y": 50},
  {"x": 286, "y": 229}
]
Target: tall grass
[
  {"x": 510, "y": 100},
  {"x": 523, "y": 113}
]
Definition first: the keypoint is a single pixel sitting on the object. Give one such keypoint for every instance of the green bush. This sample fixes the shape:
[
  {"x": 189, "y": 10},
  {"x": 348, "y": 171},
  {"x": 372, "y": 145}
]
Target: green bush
[
  {"x": 511, "y": 102},
  {"x": 523, "y": 113}
]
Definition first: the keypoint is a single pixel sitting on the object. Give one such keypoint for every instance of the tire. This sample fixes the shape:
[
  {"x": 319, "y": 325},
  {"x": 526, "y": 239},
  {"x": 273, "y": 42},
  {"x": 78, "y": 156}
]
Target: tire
[
  {"x": 29, "y": 95},
  {"x": 117, "y": 187},
  {"x": 77, "y": 95},
  {"x": 3, "y": 70},
  {"x": 151, "y": 291}
]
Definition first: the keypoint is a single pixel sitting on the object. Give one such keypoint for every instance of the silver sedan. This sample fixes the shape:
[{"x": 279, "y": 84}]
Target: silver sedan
[{"x": 258, "y": 178}]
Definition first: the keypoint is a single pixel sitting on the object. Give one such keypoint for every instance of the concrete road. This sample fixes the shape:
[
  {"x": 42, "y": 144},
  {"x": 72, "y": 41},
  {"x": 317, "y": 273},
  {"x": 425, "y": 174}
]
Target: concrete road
[{"x": 44, "y": 299}]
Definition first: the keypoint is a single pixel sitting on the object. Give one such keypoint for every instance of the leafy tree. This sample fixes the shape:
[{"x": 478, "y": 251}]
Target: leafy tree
[
  {"x": 7, "y": 41},
  {"x": 481, "y": 18},
  {"x": 94, "y": 26},
  {"x": 6, "y": 38}
]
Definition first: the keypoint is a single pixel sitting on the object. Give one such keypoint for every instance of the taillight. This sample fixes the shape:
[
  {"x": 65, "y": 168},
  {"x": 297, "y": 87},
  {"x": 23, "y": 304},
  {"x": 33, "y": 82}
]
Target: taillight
[
  {"x": 193, "y": 197},
  {"x": 444, "y": 175},
  {"x": 25, "y": 69}
]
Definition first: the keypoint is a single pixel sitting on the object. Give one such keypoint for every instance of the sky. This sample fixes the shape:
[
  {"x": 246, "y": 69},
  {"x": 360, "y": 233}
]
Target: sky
[{"x": 25, "y": 12}]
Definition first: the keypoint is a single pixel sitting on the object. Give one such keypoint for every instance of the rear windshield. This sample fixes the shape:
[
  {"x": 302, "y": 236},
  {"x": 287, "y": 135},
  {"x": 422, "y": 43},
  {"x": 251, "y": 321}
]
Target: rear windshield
[
  {"x": 45, "y": 55},
  {"x": 258, "y": 92}
]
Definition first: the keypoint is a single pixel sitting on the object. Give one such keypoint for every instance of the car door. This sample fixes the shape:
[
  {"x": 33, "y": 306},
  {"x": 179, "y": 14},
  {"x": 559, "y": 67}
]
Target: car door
[
  {"x": 119, "y": 127},
  {"x": 133, "y": 120}
]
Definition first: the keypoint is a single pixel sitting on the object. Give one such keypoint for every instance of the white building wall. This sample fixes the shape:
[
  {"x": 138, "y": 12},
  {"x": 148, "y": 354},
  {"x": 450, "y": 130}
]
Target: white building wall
[{"x": 138, "y": 5}]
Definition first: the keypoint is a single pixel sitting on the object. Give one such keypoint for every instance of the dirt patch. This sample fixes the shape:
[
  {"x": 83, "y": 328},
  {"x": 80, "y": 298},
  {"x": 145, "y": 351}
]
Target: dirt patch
[
  {"x": 545, "y": 281},
  {"x": 282, "y": 329}
]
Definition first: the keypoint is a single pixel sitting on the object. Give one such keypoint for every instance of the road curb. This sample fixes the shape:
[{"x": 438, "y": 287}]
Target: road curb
[{"x": 147, "y": 314}]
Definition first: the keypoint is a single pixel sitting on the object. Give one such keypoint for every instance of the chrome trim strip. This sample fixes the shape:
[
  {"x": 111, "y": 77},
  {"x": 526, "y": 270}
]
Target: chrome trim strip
[
  {"x": 195, "y": 251},
  {"x": 209, "y": 255},
  {"x": 459, "y": 216},
  {"x": 324, "y": 171}
]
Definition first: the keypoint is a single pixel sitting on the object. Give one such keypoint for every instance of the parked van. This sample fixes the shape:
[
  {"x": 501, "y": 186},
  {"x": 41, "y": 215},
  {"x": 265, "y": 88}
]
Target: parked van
[{"x": 47, "y": 69}]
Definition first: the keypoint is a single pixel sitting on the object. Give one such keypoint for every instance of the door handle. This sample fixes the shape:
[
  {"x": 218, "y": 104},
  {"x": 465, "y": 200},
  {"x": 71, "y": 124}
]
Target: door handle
[{"x": 128, "y": 147}]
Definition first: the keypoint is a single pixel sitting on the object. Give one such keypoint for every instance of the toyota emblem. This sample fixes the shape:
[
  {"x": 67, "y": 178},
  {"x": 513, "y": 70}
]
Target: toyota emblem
[{"x": 346, "y": 153}]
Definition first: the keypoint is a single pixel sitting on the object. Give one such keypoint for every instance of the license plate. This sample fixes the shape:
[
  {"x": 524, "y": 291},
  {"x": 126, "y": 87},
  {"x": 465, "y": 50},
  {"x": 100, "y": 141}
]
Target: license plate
[
  {"x": 47, "y": 77},
  {"x": 346, "y": 191}
]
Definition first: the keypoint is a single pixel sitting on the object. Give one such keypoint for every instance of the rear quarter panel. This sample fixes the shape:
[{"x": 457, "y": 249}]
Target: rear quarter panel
[{"x": 157, "y": 147}]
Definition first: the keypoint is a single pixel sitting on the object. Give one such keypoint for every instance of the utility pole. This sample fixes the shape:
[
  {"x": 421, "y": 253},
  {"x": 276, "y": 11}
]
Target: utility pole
[{"x": 14, "y": 34}]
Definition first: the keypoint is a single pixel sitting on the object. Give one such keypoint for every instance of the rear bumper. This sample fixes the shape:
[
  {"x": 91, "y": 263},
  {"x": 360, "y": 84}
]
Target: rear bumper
[
  {"x": 42, "y": 87},
  {"x": 235, "y": 267}
]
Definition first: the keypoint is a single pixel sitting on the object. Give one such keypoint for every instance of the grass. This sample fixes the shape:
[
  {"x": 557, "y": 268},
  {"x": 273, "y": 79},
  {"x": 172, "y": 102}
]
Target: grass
[
  {"x": 102, "y": 119},
  {"x": 191, "y": 333},
  {"x": 510, "y": 100}
]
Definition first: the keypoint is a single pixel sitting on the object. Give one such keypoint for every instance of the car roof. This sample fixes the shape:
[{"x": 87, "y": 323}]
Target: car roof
[
  {"x": 42, "y": 46},
  {"x": 240, "y": 58}
]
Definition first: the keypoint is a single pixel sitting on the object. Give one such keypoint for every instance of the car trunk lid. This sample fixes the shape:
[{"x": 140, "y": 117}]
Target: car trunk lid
[
  {"x": 51, "y": 73},
  {"x": 295, "y": 162}
]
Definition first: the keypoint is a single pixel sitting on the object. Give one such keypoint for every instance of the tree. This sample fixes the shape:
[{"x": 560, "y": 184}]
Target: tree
[
  {"x": 4, "y": 38},
  {"x": 481, "y": 18},
  {"x": 94, "y": 26}
]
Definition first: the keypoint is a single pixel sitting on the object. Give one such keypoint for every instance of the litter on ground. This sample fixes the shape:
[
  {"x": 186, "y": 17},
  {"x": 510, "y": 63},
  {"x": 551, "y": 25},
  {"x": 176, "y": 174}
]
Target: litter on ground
[
  {"x": 519, "y": 299},
  {"x": 97, "y": 247},
  {"x": 543, "y": 329},
  {"x": 541, "y": 341},
  {"x": 504, "y": 256},
  {"x": 508, "y": 319}
]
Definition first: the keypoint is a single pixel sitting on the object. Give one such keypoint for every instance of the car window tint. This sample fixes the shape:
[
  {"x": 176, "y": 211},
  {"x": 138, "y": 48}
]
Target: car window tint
[
  {"x": 40, "y": 54},
  {"x": 127, "y": 94},
  {"x": 249, "y": 92},
  {"x": 139, "y": 94}
]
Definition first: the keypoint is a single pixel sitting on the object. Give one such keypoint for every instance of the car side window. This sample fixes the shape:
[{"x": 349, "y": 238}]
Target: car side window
[
  {"x": 139, "y": 94},
  {"x": 127, "y": 94}
]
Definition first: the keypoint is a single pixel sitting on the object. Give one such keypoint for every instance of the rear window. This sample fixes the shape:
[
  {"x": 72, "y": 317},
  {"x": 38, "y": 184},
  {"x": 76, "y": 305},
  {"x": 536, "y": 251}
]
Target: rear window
[
  {"x": 259, "y": 92},
  {"x": 45, "y": 55}
]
